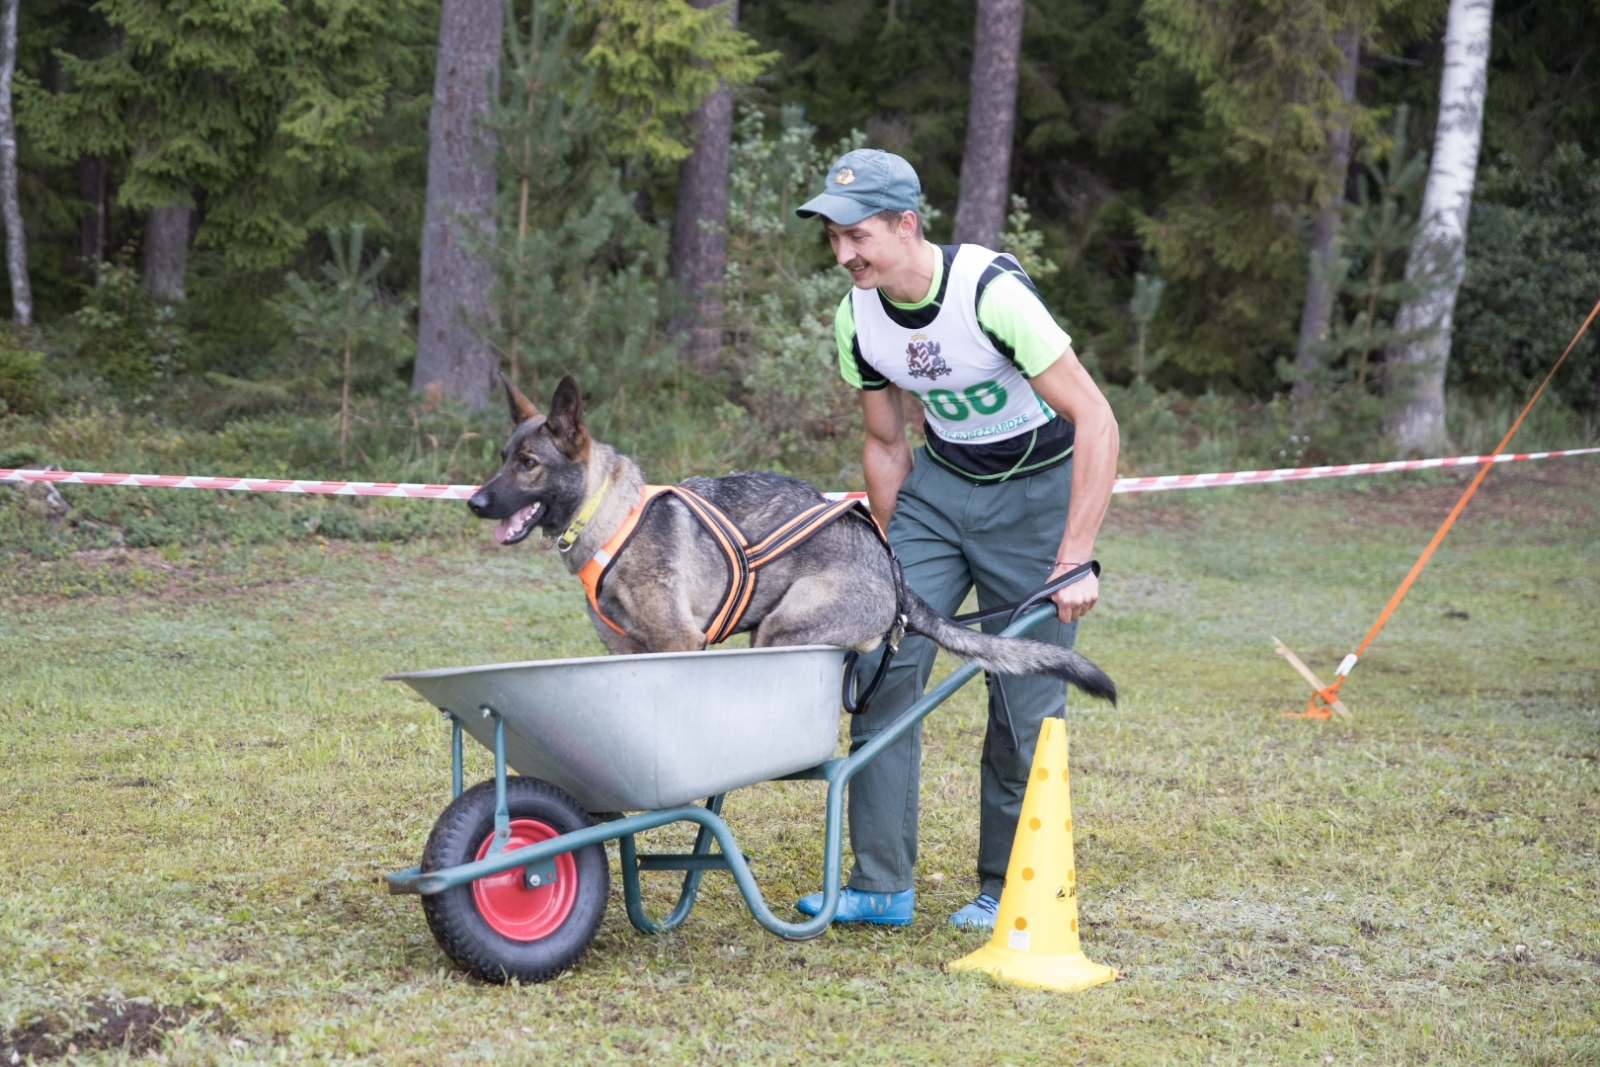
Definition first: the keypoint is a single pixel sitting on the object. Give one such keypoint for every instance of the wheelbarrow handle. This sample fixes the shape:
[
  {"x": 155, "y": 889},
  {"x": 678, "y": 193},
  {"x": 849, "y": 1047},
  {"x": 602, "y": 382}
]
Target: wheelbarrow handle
[{"x": 1010, "y": 611}]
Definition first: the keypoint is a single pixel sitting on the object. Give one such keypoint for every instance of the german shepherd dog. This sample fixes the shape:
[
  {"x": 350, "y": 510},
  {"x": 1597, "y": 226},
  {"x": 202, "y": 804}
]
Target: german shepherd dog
[{"x": 838, "y": 588}]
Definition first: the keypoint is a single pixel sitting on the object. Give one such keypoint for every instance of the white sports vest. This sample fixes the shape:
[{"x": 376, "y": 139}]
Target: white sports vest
[{"x": 971, "y": 392}]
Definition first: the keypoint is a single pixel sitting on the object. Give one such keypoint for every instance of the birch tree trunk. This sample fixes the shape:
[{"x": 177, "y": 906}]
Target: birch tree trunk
[
  {"x": 166, "y": 252},
  {"x": 700, "y": 222},
  {"x": 1416, "y": 370},
  {"x": 16, "y": 237},
  {"x": 991, "y": 121},
  {"x": 1321, "y": 285},
  {"x": 454, "y": 305}
]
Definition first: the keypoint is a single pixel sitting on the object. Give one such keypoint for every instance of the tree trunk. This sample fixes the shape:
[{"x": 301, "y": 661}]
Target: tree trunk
[
  {"x": 700, "y": 223},
  {"x": 1321, "y": 285},
  {"x": 1415, "y": 370},
  {"x": 454, "y": 302},
  {"x": 166, "y": 252},
  {"x": 10, "y": 208},
  {"x": 991, "y": 119},
  {"x": 92, "y": 227}
]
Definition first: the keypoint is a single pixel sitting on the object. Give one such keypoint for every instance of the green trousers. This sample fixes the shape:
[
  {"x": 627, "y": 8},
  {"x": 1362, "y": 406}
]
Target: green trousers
[{"x": 950, "y": 536}]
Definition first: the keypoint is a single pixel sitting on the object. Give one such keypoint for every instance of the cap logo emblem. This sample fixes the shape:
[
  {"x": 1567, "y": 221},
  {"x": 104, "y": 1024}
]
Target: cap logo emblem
[{"x": 845, "y": 176}]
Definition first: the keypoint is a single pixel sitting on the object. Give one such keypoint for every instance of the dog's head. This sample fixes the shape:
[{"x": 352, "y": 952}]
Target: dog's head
[{"x": 543, "y": 467}]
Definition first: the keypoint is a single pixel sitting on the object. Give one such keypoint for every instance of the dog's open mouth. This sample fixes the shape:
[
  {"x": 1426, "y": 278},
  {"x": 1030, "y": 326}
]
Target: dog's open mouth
[{"x": 510, "y": 531}]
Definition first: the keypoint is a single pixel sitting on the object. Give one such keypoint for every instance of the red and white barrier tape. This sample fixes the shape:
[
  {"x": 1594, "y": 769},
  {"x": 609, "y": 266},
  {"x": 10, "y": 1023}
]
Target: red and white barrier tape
[
  {"x": 420, "y": 491},
  {"x": 1298, "y": 474},
  {"x": 1162, "y": 482},
  {"x": 410, "y": 490}
]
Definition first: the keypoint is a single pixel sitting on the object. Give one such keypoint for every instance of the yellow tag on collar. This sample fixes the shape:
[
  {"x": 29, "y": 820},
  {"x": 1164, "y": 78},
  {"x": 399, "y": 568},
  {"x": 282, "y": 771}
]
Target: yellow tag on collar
[{"x": 585, "y": 513}]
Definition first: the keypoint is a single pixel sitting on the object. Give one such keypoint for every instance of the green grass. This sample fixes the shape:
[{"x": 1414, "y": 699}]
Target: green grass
[{"x": 205, "y": 779}]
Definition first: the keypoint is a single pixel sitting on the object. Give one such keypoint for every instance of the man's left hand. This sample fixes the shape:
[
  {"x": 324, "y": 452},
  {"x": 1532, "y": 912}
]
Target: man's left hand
[{"x": 1074, "y": 602}]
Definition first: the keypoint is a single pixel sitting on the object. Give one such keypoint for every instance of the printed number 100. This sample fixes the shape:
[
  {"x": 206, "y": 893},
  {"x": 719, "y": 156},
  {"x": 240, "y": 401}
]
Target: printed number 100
[{"x": 985, "y": 398}]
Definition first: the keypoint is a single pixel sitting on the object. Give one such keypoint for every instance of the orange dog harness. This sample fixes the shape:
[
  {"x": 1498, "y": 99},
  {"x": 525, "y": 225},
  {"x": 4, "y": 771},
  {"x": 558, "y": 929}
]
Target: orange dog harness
[{"x": 744, "y": 559}]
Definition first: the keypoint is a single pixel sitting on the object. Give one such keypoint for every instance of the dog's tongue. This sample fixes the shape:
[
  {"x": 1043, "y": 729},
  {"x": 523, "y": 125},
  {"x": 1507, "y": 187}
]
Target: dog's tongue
[{"x": 507, "y": 527}]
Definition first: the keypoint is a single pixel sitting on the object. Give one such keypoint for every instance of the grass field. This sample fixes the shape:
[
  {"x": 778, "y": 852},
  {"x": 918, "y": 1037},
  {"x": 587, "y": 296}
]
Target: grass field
[{"x": 205, "y": 778}]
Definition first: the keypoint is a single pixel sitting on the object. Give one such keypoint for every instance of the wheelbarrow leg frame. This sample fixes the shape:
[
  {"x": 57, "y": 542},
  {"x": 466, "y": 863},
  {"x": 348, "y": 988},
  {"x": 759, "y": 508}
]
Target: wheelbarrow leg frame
[{"x": 539, "y": 860}]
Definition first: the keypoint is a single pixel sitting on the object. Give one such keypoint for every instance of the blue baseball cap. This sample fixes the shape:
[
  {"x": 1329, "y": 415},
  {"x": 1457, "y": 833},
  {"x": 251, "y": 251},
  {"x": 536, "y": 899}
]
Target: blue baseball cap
[{"x": 862, "y": 183}]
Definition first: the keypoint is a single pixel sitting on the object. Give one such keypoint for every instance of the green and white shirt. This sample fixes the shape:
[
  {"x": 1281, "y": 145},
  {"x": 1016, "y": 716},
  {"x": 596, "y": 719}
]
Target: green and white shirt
[{"x": 965, "y": 352}]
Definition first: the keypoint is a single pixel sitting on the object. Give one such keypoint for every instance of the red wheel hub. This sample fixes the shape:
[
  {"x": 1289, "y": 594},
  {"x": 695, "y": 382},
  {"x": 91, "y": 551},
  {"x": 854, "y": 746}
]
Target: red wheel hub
[{"x": 515, "y": 911}]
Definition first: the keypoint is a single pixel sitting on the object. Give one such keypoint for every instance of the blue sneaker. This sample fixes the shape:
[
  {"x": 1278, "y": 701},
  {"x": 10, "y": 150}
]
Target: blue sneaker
[
  {"x": 883, "y": 909},
  {"x": 979, "y": 915}
]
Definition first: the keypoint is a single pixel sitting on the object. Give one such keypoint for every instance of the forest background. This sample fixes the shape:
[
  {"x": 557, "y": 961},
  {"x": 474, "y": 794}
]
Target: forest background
[{"x": 226, "y": 203}]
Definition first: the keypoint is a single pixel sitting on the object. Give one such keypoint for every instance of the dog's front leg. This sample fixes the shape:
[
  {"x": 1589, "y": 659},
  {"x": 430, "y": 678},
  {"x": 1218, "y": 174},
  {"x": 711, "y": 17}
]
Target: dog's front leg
[
  {"x": 683, "y": 638},
  {"x": 616, "y": 644}
]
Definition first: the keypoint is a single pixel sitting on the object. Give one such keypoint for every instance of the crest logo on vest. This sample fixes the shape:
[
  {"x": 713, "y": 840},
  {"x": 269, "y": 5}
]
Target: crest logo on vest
[{"x": 923, "y": 359}]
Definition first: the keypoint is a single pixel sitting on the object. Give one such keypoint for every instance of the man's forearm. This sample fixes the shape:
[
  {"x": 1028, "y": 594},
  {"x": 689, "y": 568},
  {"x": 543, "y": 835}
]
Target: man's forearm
[
  {"x": 1094, "y": 472},
  {"x": 1069, "y": 390},
  {"x": 884, "y": 468}
]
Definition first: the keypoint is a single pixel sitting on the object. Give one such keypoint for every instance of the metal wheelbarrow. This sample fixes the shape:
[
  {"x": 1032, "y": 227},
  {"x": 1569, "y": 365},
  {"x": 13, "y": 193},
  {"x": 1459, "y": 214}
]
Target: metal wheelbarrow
[{"x": 514, "y": 878}]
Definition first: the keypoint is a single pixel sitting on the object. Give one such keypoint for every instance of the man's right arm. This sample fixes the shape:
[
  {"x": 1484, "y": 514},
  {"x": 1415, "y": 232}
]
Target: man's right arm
[{"x": 885, "y": 457}]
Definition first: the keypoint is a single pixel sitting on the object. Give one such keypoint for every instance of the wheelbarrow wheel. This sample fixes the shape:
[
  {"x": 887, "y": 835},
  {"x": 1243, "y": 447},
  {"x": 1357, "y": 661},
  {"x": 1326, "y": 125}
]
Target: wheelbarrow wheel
[{"x": 497, "y": 928}]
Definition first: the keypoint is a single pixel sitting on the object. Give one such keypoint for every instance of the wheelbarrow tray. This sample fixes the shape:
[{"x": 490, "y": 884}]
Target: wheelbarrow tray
[{"x": 636, "y": 733}]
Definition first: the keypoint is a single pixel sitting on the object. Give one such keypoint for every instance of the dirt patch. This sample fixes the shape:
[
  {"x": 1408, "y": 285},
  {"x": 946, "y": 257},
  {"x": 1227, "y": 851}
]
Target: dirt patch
[
  {"x": 131, "y": 1025},
  {"x": 1534, "y": 495},
  {"x": 1152, "y": 513},
  {"x": 1540, "y": 494},
  {"x": 122, "y": 572}
]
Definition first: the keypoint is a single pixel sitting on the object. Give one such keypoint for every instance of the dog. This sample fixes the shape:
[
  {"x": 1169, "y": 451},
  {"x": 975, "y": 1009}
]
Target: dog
[{"x": 840, "y": 587}]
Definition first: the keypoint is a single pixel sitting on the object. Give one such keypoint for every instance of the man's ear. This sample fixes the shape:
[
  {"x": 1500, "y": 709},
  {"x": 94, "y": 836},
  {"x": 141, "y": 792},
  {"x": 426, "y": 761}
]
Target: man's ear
[
  {"x": 909, "y": 221},
  {"x": 522, "y": 408},
  {"x": 566, "y": 419}
]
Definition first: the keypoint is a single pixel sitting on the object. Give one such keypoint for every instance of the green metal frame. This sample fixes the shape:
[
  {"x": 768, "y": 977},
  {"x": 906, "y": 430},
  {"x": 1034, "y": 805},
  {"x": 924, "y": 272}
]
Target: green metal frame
[{"x": 539, "y": 859}]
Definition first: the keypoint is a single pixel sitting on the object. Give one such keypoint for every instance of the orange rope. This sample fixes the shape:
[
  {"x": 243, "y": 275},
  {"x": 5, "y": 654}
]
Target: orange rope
[{"x": 1331, "y": 692}]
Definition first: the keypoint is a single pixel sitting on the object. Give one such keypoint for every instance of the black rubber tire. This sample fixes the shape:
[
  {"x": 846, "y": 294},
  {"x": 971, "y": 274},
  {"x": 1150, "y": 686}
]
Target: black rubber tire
[{"x": 453, "y": 916}]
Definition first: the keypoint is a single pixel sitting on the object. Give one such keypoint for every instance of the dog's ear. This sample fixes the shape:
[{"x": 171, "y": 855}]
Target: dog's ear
[
  {"x": 522, "y": 408},
  {"x": 566, "y": 419}
]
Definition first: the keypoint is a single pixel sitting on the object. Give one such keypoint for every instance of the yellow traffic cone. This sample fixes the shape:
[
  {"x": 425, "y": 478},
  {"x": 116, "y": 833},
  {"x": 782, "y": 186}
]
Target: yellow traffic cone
[{"x": 1035, "y": 940}]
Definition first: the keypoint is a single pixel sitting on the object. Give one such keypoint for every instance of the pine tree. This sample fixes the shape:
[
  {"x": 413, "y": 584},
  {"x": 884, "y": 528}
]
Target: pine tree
[
  {"x": 1377, "y": 232},
  {"x": 576, "y": 282},
  {"x": 1327, "y": 199},
  {"x": 344, "y": 318},
  {"x": 267, "y": 106},
  {"x": 656, "y": 60},
  {"x": 700, "y": 217},
  {"x": 460, "y": 211},
  {"x": 991, "y": 120}
]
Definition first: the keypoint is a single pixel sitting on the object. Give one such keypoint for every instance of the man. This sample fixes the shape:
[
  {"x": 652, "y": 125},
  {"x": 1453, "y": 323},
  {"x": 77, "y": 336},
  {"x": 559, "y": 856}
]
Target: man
[{"x": 1008, "y": 492}]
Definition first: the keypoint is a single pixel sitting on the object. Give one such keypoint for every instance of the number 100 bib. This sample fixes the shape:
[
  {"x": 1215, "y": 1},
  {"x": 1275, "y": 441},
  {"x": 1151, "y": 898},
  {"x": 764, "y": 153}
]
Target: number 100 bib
[{"x": 970, "y": 391}]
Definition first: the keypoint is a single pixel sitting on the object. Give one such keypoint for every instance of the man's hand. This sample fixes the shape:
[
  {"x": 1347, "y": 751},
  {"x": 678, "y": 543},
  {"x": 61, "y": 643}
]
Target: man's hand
[{"x": 1074, "y": 602}]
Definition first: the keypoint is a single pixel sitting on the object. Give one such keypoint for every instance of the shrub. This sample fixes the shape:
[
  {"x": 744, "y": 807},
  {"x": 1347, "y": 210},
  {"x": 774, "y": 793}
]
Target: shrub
[
  {"x": 21, "y": 374},
  {"x": 1533, "y": 271},
  {"x": 135, "y": 344}
]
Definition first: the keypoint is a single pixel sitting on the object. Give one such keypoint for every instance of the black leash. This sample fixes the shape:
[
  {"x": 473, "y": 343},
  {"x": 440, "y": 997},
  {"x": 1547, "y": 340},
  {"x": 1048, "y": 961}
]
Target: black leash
[
  {"x": 1020, "y": 607},
  {"x": 857, "y": 705}
]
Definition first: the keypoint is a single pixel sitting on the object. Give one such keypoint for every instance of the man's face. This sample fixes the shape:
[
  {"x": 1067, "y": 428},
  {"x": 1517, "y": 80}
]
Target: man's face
[{"x": 870, "y": 249}]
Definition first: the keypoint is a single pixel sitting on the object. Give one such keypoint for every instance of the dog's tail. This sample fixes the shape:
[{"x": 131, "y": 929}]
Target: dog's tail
[{"x": 1006, "y": 655}]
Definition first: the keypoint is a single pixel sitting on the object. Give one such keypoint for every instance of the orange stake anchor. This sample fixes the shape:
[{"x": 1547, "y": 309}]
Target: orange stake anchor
[{"x": 1329, "y": 694}]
